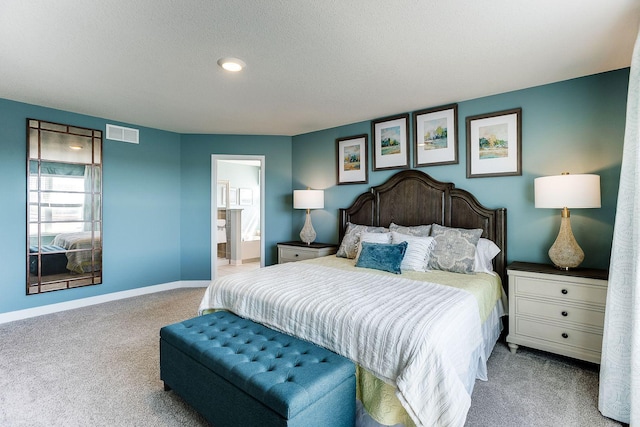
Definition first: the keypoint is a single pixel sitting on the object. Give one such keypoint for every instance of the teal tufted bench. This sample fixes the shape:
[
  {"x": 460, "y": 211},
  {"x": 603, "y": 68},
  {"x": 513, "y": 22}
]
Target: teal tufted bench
[{"x": 238, "y": 373}]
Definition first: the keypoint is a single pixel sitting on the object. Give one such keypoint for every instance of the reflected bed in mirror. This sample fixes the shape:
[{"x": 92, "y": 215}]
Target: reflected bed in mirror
[{"x": 64, "y": 184}]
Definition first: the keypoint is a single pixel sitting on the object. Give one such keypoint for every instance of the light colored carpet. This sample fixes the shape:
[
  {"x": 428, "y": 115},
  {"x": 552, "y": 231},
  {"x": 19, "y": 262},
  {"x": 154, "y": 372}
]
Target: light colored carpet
[
  {"x": 536, "y": 389},
  {"x": 94, "y": 366},
  {"x": 99, "y": 366}
]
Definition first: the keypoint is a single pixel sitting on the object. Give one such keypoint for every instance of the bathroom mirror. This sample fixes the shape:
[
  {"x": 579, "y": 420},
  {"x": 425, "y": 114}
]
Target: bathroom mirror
[{"x": 64, "y": 206}]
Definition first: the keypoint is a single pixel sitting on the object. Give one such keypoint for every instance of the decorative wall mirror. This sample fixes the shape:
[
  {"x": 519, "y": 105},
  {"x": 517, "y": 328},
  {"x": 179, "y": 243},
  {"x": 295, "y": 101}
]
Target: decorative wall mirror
[{"x": 64, "y": 206}]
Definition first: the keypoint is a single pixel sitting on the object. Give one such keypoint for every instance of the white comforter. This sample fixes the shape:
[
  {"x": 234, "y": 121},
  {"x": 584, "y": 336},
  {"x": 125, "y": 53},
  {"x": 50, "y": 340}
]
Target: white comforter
[{"x": 414, "y": 335}]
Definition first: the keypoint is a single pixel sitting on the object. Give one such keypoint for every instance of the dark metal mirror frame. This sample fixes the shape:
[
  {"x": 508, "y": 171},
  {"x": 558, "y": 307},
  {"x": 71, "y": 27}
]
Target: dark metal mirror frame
[{"x": 64, "y": 223}]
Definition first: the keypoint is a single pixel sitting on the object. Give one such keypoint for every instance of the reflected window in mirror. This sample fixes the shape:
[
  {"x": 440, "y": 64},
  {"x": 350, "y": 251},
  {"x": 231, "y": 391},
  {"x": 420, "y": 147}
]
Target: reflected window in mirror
[{"x": 64, "y": 206}]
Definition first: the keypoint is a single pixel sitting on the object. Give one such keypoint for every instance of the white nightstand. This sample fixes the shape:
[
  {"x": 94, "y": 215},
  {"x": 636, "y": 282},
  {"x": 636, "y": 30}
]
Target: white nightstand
[
  {"x": 557, "y": 311},
  {"x": 297, "y": 251}
]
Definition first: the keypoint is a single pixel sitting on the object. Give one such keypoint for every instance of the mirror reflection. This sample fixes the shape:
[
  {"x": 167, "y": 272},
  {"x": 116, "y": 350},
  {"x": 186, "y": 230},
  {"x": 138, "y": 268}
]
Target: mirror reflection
[{"x": 64, "y": 237}]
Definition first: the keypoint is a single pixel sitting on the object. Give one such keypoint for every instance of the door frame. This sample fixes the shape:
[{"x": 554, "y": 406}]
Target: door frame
[{"x": 214, "y": 205}]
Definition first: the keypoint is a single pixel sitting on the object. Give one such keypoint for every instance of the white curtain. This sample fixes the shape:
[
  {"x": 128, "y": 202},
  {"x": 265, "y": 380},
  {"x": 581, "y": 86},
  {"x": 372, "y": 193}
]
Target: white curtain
[{"x": 620, "y": 367}]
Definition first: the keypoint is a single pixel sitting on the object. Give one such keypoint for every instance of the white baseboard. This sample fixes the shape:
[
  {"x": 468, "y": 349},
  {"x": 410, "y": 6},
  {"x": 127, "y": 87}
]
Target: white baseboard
[{"x": 85, "y": 302}]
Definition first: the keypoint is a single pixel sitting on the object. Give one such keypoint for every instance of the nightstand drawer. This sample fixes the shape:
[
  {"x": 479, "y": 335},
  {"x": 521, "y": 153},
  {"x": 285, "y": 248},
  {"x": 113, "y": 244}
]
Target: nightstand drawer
[
  {"x": 559, "y": 334},
  {"x": 294, "y": 254},
  {"x": 561, "y": 312},
  {"x": 298, "y": 251},
  {"x": 561, "y": 289}
]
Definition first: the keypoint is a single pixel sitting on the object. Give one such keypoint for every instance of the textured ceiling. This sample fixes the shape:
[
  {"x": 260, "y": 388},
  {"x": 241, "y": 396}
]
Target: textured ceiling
[{"x": 310, "y": 64}]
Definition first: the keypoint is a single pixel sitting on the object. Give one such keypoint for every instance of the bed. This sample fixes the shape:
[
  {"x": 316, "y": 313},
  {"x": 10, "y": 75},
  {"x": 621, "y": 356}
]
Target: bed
[
  {"x": 417, "y": 362},
  {"x": 53, "y": 259},
  {"x": 78, "y": 247}
]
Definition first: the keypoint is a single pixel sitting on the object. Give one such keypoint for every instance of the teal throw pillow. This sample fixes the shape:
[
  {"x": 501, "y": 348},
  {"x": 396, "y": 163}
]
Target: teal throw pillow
[{"x": 382, "y": 256}]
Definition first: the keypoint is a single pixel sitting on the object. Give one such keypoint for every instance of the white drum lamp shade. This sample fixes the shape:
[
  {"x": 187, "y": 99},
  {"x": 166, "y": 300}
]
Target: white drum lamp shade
[
  {"x": 564, "y": 192},
  {"x": 308, "y": 199}
]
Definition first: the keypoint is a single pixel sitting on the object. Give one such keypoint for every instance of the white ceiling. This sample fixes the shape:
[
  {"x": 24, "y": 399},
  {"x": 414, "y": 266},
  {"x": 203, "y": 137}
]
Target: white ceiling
[{"x": 311, "y": 64}]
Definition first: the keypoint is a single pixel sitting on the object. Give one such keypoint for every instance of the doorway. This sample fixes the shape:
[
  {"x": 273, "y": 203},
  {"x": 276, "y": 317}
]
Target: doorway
[{"x": 237, "y": 213}]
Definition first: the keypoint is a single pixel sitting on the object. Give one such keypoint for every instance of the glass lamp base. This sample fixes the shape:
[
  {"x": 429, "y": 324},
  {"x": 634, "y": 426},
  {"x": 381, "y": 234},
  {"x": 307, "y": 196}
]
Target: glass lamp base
[
  {"x": 565, "y": 252},
  {"x": 308, "y": 234}
]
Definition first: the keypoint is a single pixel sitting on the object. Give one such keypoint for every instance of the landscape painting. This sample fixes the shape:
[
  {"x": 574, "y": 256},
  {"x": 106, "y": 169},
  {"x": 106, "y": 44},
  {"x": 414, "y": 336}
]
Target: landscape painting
[
  {"x": 494, "y": 144},
  {"x": 390, "y": 142},
  {"x": 494, "y": 141},
  {"x": 351, "y": 159},
  {"x": 435, "y": 134},
  {"x": 435, "y": 139}
]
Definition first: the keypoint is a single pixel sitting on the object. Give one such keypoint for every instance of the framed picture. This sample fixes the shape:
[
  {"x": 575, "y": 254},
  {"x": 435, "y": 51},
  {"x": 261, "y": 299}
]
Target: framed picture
[
  {"x": 246, "y": 196},
  {"x": 390, "y": 147},
  {"x": 494, "y": 143},
  {"x": 351, "y": 159},
  {"x": 222, "y": 193},
  {"x": 435, "y": 139},
  {"x": 233, "y": 196}
]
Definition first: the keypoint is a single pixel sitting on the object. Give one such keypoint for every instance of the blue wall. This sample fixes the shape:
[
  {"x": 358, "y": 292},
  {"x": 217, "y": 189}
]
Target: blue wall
[
  {"x": 575, "y": 126},
  {"x": 157, "y": 194},
  {"x": 141, "y": 208},
  {"x": 196, "y": 194},
  {"x": 156, "y": 204}
]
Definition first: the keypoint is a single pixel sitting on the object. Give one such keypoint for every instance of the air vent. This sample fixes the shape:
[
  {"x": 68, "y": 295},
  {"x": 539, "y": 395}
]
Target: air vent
[{"x": 123, "y": 134}]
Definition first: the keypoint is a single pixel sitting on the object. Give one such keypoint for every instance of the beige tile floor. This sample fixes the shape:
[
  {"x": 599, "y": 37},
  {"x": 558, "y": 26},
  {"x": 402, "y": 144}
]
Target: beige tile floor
[{"x": 227, "y": 269}]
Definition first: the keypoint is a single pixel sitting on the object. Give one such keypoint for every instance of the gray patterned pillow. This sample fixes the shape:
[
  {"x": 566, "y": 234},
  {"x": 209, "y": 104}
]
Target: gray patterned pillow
[
  {"x": 349, "y": 245},
  {"x": 455, "y": 249},
  {"x": 415, "y": 230}
]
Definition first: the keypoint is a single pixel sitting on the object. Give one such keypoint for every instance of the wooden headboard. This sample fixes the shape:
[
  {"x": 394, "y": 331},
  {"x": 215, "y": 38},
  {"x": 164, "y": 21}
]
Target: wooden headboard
[{"x": 412, "y": 197}]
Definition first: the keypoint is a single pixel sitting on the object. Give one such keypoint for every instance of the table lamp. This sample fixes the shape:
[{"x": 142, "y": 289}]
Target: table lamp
[
  {"x": 308, "y": 199},
  {"x": 563, "y": 192}
]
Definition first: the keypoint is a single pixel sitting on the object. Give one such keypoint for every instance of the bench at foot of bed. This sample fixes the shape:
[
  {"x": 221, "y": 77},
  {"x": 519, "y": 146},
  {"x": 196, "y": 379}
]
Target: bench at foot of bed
[{"x": 238, "y": 373}]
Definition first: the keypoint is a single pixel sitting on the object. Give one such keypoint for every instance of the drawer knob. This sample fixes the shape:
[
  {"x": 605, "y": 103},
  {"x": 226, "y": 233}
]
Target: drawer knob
[
  {"x": 297, "y": 255},
  {"x": 565, "y": 335},
  {"x": 565, "y": 314},
  {"x": 564, "y": 291}
]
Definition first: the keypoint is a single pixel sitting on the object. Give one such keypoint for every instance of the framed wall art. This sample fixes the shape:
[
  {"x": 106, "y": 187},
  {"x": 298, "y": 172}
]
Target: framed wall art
[
  {"x": 233, "y": 196},
  {"x": 494, "y": 144},
  {"x": 435, "y": 139},
  {"x": 223, "y": 193},
  {"x": 390, "y": 142},
  {"x": 351, "y": 159},
  {"x": 246, "y": 197}
]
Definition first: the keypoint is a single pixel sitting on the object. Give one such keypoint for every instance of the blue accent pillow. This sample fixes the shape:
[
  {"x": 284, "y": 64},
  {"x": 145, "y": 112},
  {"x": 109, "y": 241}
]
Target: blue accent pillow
[{"x": 382, "y": 256}]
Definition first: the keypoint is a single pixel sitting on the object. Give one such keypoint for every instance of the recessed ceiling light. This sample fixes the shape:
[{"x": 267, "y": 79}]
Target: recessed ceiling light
[{"x": 231, "y": 64}]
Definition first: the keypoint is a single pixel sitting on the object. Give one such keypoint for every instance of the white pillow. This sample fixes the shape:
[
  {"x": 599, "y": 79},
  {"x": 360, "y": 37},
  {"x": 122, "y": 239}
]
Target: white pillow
[
  {"x": 486, "y": 251},
  {"x": 372, "y": 238},
  {"x": 416, "y": 258}
]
